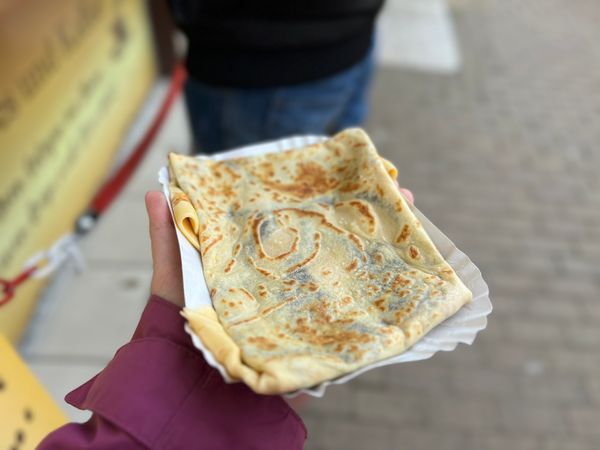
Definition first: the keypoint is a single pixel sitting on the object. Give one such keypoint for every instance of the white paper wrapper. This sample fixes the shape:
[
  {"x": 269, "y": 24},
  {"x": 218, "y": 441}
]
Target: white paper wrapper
[{"x": 460, "y": 328}]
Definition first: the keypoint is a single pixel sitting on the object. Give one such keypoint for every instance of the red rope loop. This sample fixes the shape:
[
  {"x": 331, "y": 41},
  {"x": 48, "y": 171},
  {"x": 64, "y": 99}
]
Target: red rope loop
[{"x": 8, "y": 287}]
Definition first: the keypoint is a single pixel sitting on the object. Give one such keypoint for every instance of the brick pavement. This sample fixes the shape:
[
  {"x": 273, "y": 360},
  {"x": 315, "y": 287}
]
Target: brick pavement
[{"x": 504, "y": 158}]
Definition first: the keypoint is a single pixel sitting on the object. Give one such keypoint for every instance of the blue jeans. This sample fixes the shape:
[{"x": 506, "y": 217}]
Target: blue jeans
[{"x": 224, "y": 118}]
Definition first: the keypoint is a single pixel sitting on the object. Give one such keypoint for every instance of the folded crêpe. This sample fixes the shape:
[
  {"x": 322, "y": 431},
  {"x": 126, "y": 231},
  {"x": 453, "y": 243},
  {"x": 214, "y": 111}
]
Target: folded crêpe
[{"x": 315, "y": 263}]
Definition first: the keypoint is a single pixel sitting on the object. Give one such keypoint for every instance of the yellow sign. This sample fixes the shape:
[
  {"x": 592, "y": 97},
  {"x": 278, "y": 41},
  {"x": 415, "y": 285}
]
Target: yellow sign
[
  {"x": 74, "y": 73},
  {"x": 27, "y": 413}
]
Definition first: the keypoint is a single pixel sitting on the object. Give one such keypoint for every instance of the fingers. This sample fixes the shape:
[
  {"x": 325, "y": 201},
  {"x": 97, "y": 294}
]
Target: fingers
[{"x": 408, "y": 195}]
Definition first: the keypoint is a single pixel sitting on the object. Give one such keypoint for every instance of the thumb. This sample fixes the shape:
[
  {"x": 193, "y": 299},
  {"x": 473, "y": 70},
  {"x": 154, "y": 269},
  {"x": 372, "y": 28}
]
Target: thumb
[
  {"x": 162, "y": 232},
  {"x": 166, "y": 262}
]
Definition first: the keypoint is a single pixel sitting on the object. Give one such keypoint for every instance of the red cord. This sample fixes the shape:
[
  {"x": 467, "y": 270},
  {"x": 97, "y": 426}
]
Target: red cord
[
  {"x": 9, "y": 286},
  {"x": 114, "y": 185}
]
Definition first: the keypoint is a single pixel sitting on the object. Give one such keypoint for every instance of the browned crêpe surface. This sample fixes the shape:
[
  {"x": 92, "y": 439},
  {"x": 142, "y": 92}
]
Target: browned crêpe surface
[{"x": 315, "y": 263}]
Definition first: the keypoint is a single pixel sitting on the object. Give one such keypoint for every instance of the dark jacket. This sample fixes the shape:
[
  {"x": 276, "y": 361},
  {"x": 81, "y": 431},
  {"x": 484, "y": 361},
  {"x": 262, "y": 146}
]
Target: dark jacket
[{"x": 268, "y": 43}]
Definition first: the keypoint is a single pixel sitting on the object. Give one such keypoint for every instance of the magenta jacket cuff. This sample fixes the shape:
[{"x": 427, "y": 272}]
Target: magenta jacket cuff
[{"x": 158, "y": 392}]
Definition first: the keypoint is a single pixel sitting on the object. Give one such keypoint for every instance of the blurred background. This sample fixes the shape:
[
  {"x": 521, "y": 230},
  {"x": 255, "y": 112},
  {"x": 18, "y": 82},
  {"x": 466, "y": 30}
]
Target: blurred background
[{"x": 490, "y": 110}]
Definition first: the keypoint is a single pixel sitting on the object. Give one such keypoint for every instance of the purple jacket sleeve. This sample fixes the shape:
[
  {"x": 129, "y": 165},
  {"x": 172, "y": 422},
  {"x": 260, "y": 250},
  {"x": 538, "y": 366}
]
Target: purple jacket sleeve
[{"x": 159, "y": 393}]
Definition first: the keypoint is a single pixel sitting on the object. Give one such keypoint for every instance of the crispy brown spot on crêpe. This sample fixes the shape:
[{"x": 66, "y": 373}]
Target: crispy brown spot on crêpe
[
  {"x": 328, "y": 331},
  {"x": 364, "y": 209},
  {"x": 226, "y": 190},
  {"x": 310, "y": 180},
  {"x": 350, "y": 186},
  {"x": 261, "y": 270},
  {"x": 178, "y": 198},
  {"x": 379, "y": 190},
  {"x": 309, "y": 258},
  {"x": 399, "y": 280},
  {"x": 213, "y": 291},
  {"x": 232, "y": 173},
  {"x": 353, "y": 265},
  {"x": 212, "y": 244},
  {"x": 312, "y": 287},
  {"x": 347, "y": 300},
  {"x": 325, "y": 222},
  {"x": 230, "y": 265},
  {"x": 414, "y": 252},
  {"x": 262, "y": 343},
  {"x": 380, "y": 304},
  {"x": 404, "y": 233},
  {"x": 307, "y": 213},
  {"x": 262, "y": 291},
  {"x": 398, "y": 205},
  {"x": 243, "y": 321},
  {"x": 248, "y": 295},
  {"x": 373, "y": 289},
  {"x": 256, "y": 223},
  {"x": 359, "y": 243},
  {"x": 270, "y": 309}
]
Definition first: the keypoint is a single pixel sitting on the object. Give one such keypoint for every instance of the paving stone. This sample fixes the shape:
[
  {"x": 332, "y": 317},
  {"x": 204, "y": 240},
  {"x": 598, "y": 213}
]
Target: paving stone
[
  {"x": 592, "y": 385},
  {"x": 468, "y": 413},
  {"x": 485, "y": 382},
  {"x": 551, "y": 389},
  {"x": 575, "y": 361},
  {"x": 583, "y": 336},
  {"x": 396, "y": 409},
  {"x": 427, "y": 439},
  {"x": 533, "y": 331},
  {"x": 518, "y": 416},
  {"x": 332, "y": 434},
  {"x": 584, "y": 421},
  {"x": 502, "y": 442},
  {"x": 516, "y": 356},
  {"x": 554, "y": 309},
  {"x": 420, "y": 377},
  {"x": 573, "y": 443},
  {"x": 339, "y": 401}
]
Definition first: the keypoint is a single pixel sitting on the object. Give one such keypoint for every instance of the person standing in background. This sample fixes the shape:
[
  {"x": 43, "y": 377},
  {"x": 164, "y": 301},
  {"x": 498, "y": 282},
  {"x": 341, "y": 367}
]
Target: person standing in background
[{"x": 264, "y": 69}]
